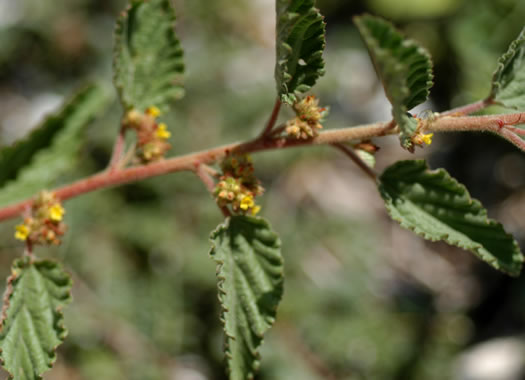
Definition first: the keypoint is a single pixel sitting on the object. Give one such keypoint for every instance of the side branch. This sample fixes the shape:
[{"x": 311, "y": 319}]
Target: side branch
[
  {"x": 273, "y": 118},
  {"x": 469, "y": 108},
  {"x": 496, "y": 124}
]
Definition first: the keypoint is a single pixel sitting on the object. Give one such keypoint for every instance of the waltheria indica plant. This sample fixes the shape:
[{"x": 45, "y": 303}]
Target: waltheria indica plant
[{"x": 148, "y": 70}]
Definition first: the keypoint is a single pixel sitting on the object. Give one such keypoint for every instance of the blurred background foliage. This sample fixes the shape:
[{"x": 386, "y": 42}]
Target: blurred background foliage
[{"x": 364, "y": 299}]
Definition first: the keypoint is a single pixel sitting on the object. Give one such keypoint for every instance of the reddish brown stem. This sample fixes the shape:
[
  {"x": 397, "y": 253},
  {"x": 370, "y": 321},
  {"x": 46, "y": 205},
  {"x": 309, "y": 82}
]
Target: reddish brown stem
[
  {"x": 469, "y": 108},
  {"x": 498, "y": 124},
  {"x": 357, "y": 160},
  {"x": 518, "y": 131},
  {"x": 118, "y": 149},
  {"x": 273, "y": 118},
  {"x": 205, "y": 177},
  {"x": 204, "y": 172},
  {"x": 187, "y": 162}
]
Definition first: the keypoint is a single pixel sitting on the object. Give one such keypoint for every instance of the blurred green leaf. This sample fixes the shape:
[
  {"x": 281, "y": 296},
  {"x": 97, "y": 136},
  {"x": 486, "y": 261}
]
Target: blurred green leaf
[
  {"x": 300, "y": 45},
  {"x": 32, "y": 320},
  {"x": 413, "y": 9},
  {"x": 147, "y": 63},
  {"x": 435, "y": 206},
  {"x": 50, "y": 151},
  {"x": 367, "y": 157},
  {"x": 14, "y": 158},
  {"x": 508, "y": 81},
  {"x": 250, "y": 273},
  {"x": 404, "y": 68}
]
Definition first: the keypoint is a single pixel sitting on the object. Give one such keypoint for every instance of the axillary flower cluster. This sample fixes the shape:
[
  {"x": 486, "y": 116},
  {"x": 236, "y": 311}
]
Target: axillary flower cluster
[
  {"x": 307, "y": 122},
  {"x": 238, "y": 186},
  {"x": 423, "y": 120},
  {"x": 43, "y": 221},
  {"x": 152, "y": 136}
]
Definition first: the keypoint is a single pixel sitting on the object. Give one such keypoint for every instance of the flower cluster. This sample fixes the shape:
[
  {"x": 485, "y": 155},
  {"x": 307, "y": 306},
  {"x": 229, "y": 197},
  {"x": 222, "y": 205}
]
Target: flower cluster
[
  {"x": 152, "y": 136},
  {"x": 43, "y": 222},
  {"x": 424, "y": 120},
  {"x": 422, "y": 138},
  {"x": 238, "y": 186},
  {"x": 307, "y": 122}
]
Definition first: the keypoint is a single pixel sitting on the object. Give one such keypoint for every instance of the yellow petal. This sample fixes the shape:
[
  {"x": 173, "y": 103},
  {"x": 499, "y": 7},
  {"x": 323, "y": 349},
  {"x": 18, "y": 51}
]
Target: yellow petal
[
  {"x": 56, "y": 212},
  {"x": 153, "y": 111},
  {"x": 427, "y": 139},
  {"x": 162, "y": 132},
  {"x": 247, "y": 202},
  {"x": 22, "y": 232}
]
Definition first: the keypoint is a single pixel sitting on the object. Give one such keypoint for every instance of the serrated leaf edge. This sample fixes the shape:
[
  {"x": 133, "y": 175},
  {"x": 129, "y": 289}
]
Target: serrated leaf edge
[
  {"x": 221, "y": 279},
  {"x": 483, "y": 213},
  {"x": 11, "y": 282},
  {"x": 84, "y": 91},
  {"x": 286, "y": 95},
  {"x": 117, "y": 38},
  {"x": 399, "y": 109},
  {"x": 500, "y": 67}
]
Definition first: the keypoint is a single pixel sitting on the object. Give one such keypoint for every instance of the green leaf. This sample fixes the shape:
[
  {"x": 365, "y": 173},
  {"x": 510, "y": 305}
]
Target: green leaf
[
  {"x": 51, "y": 149},
  {"x": 435, "y": 206},
  {"x": 32, "y": 320},
  {"x": 367, "y": 157},
  {"x": 508, "y": 81},
  {"x": 404, "y": 67},
  {"x": 148, "y": 63},
  {"x": 299, "y": 48},
  {"x": 250, "y": 273}
]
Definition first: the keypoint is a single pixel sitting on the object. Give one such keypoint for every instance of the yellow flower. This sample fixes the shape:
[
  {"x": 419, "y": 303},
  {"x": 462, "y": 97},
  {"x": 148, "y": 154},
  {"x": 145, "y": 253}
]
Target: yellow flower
[
  {"x": 247, "y": 202},
  {"x": 22, "y": 232},
  {"x": 162, "y": 132},
  {"x": 56, "y": 212},
  {"x": 255, "y": 210},
  {"x": 153, "y": 111},
  {"x": 427, "y": 139}
]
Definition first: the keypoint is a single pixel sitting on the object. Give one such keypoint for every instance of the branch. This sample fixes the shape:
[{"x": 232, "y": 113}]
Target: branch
[
  {"x": 118, "y": 148},
  {"x": 496, "y": 124},
  {"x": 273, "y": 118},
  {"x": 357, "y": 160},
  {"x": 205, "y": 177},
  {"x": 206, "y": 174},
  {"x": 469, "y": 108}
]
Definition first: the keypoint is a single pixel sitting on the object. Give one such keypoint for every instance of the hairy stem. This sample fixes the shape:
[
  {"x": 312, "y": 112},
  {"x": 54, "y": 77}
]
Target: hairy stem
[
  {"x": 495, "y": 123},
  {"x": 469, "y": 108}
]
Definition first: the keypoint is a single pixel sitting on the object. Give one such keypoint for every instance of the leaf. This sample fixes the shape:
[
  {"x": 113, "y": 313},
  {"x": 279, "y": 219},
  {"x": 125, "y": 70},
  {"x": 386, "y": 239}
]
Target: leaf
[
  {"x": 435, "y": 206},
  {"x": 299, "y": 48},
  {"x": 32, "y": 320},
  {"x": 368, "y": 158},
  {"x": 147, "y": 63},
  {"x": 50, "y": 150},
  {"x": 404, "y": 67},
  {"x": 250, "y": 273},
  {"x": 508, "y": 81}
]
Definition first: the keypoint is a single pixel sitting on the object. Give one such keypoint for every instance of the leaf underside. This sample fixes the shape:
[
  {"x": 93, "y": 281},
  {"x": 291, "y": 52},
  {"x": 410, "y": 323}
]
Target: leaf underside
[
  {"x": 508, "y": 81},
  {"x": 32, "y": 320},
  {"x": 148, "y": 64},
  {"x": 435, "y": 206},
  {"x": 299, "y": 48},
  {"x": 250, "y": 274},
  {"x": 404, "y": 67},
  {"x": 50, "y": 150}
]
